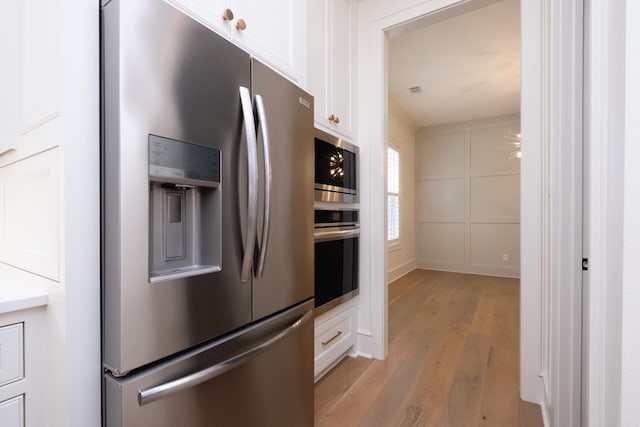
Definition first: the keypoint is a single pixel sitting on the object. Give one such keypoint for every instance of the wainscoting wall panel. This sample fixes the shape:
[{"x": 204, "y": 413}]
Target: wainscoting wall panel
[{"x": 468, "y": 197}]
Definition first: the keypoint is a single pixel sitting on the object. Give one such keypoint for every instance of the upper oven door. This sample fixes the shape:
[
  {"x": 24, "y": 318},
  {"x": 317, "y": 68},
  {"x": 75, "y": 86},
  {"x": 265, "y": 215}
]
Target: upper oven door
[{"x": 335, "y": 168}]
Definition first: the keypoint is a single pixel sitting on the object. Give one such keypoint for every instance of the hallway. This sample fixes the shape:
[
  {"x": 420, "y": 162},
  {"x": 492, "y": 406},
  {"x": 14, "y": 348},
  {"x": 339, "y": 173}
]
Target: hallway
[{"x": 452, "y": 361}]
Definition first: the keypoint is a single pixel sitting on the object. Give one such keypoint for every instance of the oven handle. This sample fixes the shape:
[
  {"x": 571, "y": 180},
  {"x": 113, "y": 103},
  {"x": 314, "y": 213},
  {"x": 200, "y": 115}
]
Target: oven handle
[{"x": 326, "y": 236}]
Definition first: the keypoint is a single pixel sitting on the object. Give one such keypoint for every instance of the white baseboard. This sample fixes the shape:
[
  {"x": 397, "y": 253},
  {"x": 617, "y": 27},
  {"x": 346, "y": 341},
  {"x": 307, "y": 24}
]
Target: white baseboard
[
  {"x": 545, "y": 415},
  {"x": 398, "y": 272},
  {"x": 364, "y": 344},
  {"x": 485, "y": 270}
]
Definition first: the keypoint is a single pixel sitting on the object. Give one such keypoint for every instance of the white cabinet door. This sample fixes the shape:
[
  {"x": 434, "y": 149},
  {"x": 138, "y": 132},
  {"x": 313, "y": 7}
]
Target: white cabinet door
[
  {"x": 209, "y": 12},
  {"x": 12, "y": 412},
  {"x": 331, "y": 56},
  {"x": 11, "y": 354},
  {"x": 272, "y": 30},
  {"x": 318, "y": 57},
  {"x": 340, "y": 60},
  {"x": 29, "y": 32}
]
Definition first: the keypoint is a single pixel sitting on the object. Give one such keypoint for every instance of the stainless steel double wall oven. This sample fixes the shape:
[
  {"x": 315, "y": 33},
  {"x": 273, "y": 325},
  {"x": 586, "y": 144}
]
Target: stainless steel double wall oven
[{"x": 337, "y": 221}]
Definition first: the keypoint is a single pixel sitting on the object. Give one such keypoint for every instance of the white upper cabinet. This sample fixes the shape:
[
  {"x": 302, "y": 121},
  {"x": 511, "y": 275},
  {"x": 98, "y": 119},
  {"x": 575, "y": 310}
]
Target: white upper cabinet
[
  {"x": 330, "y": 67},
  {"x": 28, "y": 87},
  {"x": 272, "y": 30}
]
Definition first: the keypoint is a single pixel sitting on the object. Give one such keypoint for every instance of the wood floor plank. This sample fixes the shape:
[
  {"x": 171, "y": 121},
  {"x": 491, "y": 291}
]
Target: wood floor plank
[
  {"x": 355, "y": 403},
  {"x": 453, "y": 359},
  {"x": 429, "y": 398},
  {"x": 530, "y": 415},
  {"x": 388, "y": 406},
  {"x": 483, "y": 317},
  {"x": 501, "y": 402},
  {"x": 330, "y": 388},
  {"x": 465, "y": 395}
]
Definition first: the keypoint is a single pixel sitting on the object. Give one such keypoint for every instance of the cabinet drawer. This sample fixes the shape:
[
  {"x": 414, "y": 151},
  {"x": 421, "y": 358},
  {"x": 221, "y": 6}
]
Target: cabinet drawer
[
  {"x": 12, "y": 412},
  {"x": 11, "y": 354},
  {"x": 332, "y": 339}
]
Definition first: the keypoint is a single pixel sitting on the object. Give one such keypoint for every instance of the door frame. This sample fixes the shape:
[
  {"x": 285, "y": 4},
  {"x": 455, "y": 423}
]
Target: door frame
[{"x": 550, "y": 315}]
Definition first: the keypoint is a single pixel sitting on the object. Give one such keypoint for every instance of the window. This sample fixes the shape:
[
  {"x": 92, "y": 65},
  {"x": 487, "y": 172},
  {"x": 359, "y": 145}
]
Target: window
[{"x": 393, "y": 195}]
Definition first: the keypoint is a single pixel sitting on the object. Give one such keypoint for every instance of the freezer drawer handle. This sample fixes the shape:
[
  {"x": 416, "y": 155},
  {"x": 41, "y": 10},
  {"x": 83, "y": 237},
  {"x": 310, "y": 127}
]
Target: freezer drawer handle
[{"x": 163, "y": 390}]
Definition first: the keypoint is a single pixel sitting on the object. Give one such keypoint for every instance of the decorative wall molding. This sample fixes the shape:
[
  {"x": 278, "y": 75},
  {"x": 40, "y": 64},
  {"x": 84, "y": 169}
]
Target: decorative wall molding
[
  {"x": 483, "y": 270},
  {"x": 468, "y": 197}
]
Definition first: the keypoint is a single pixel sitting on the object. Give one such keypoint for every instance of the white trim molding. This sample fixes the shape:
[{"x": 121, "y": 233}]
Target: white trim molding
[
  {"x": 532, "y": 194},
  {"x": 402, "y": 270},
  {"x": 605, "y": 142}
]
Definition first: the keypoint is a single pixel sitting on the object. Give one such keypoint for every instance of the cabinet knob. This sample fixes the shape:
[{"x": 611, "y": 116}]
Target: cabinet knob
[
  {"x": 241, "y": 25},
  {"x": 334, "y": 119},
  {"x": 227, "y": 15}
]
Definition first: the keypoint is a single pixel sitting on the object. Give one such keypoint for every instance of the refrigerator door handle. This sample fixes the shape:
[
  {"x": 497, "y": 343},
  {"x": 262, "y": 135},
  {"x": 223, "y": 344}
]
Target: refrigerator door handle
[
  {"x": 252, "y": 208},
  {"x": 264, "y": 130},
  {"x": 164, "y": 390}
]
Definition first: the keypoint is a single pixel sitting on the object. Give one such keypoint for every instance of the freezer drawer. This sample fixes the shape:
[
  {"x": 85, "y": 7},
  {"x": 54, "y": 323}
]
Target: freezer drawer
[{"x": 260, "y": 376}]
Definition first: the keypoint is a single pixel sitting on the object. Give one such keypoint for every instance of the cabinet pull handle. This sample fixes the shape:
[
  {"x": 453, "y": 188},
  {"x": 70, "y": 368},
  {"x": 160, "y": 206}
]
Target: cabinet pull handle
[
  {"x": 336, "y": 120},
  {"x": 227, "y": 15},
  {"x": 326, "y": 343},
  {"x": 332, "y": 118},
  {"x": 241, "y": 24}
]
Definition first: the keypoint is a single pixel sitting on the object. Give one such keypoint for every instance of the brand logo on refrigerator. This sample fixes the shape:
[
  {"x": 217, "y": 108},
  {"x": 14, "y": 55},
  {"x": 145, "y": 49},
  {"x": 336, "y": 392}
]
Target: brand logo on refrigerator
[{"x": 304, "y": 102}]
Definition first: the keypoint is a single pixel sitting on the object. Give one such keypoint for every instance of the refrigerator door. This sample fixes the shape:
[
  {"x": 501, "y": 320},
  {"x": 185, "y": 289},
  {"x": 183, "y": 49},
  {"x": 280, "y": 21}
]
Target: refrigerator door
[
  {"x": 262, "y": 376},
  {"x": 284, "y": 265},
  {"x": 165, "y": 74}
]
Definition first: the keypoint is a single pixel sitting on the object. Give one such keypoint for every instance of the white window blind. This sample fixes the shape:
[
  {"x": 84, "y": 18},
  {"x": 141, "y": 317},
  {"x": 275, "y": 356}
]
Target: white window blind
[{"x": 393, "y": 194}]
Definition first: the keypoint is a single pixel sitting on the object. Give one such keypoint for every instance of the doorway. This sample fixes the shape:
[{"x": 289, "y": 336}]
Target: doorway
[{"x": 548, "y": 172}]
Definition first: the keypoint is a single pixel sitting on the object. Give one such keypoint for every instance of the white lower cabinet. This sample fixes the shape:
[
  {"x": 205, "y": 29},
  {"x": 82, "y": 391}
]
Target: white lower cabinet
[
  {"x": 22, "y": 370},
  {"x": 335, "y": 336},
  {"x": 11, "y": 353},
  {"x": 12, "y": 412},
  {"x": 11, "y": 371}
]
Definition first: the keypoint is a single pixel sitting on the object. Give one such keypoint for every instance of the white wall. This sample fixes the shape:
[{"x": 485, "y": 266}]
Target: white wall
[
  {"x": 613, "y": 305},
  {"x": 468, "y": 197},
  {"x": 401, "y": 257},
  {"x": 51, "y": 189},
  {"x": 630, "y": 410}
]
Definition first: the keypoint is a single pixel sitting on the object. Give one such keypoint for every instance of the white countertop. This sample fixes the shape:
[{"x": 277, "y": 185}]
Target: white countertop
[{"x": 20, "y": 290}]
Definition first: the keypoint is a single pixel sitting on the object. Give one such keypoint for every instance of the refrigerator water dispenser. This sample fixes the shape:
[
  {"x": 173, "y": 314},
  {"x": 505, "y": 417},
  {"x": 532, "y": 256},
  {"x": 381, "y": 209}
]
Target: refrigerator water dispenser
[{"x": 185, "y": 217}]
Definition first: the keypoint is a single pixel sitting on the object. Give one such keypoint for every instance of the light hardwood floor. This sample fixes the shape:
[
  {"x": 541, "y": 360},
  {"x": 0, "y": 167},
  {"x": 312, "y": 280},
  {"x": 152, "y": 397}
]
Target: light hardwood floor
[{"x": 452, "y": 360}]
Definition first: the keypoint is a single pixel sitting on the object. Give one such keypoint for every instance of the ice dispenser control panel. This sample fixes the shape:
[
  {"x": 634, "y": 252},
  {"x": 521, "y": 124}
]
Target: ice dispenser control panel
[
  {"x": 182, "y": 162},
  {"x": 185, "y": 209}
]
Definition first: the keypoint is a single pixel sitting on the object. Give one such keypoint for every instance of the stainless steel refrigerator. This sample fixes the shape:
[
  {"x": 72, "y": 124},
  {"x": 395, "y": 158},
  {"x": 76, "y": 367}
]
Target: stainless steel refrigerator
[{"x": 207, "y": 205}]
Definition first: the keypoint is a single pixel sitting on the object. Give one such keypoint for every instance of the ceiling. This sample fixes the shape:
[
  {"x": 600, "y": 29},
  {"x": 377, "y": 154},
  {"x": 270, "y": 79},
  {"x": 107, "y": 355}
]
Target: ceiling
[{"x": 468, "y": 66}]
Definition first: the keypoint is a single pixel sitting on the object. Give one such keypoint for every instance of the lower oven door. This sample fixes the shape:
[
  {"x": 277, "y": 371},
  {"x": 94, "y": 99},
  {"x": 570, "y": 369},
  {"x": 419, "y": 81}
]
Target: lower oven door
[{"x": 336, "y": 266}]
